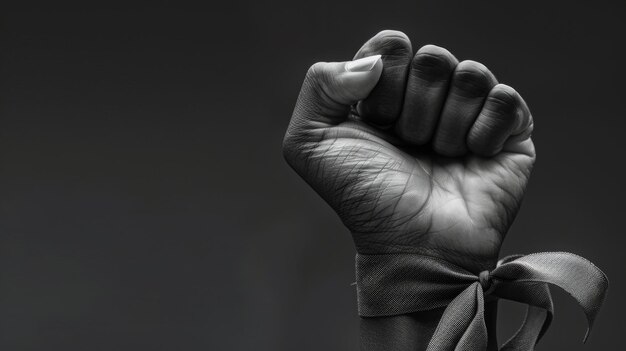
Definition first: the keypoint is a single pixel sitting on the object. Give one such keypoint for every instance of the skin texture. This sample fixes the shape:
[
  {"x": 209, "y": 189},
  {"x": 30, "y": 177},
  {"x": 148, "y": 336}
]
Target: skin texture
[
  {"x": 421, "y": 154},
  {"x": 435, "y": 161}
]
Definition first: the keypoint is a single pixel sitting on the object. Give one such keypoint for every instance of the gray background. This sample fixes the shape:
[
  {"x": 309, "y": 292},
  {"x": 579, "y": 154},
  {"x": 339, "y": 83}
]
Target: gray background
[{"x": 145, "y": 204}]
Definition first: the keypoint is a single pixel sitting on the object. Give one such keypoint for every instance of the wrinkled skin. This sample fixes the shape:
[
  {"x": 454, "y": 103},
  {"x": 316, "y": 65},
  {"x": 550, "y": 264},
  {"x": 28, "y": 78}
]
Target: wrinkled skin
[{"x": 435, "y": 161}]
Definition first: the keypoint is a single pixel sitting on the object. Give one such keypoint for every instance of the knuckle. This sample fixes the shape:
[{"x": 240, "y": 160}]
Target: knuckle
[
  {"x": 434, "y": 49},
  {"x": 473, "y": 66},
  {"x": 473, "y": 77},
  {"x": 503, "y": 99},
  {"x": 390, "y": 43},
  {"x": 433, "y": 62},
  {"x": 390, "y": 33}
]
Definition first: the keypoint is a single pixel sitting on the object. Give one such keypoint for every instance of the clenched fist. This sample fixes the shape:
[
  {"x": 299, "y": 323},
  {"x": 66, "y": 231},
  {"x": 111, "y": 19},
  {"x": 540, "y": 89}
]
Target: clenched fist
[{"x": 416, "y": 153}]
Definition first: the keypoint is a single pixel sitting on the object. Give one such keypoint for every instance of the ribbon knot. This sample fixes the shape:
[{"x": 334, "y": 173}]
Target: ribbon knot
[
  {"x": 393, "y": 284},
  {"x": 484, "y": 278}
]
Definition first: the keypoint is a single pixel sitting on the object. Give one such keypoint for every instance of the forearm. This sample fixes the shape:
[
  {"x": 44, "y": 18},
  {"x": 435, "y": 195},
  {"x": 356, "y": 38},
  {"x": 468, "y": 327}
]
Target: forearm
[{"x": 412, "y": 332}]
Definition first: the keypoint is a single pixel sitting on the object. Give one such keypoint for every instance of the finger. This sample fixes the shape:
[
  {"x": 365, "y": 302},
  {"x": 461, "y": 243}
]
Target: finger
[
  {"x": 471, "y": 82},
  {"x": 505, "y": 117},
  {"x": 382, "y": 107},
  {"x": 427, "y": 86},
  {"x": 327, "y": 93}
]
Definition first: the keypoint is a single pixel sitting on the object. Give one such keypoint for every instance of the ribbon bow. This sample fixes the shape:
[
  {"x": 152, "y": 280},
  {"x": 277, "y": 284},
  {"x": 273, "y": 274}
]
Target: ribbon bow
[{"x": 393, "y": 284}]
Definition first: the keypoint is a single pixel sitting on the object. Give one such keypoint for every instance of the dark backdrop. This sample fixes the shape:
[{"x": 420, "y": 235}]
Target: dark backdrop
[{"x": 145, "y": 204}]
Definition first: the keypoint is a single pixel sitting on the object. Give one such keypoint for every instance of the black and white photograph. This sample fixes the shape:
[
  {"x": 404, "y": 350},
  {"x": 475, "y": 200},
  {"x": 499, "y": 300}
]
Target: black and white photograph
[{"x": 403, "y": 175}]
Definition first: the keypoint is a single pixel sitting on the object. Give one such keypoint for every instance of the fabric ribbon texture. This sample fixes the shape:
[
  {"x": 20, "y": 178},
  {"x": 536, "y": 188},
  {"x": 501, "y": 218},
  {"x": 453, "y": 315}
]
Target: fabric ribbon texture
[{"x": 393, "y": 284}]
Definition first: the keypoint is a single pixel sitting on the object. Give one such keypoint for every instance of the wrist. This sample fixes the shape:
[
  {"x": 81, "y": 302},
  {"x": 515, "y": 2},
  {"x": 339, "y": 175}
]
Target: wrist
[
  {"x": 402, "y": 298},
  {"x": 439, "y": 245}
]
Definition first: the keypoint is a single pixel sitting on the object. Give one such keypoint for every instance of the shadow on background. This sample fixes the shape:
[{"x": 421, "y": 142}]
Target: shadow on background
[{"x": 145, "y": 203}]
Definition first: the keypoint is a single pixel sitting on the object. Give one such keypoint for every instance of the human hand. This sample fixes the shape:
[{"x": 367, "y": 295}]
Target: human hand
[{"x": 433, "y": 160}]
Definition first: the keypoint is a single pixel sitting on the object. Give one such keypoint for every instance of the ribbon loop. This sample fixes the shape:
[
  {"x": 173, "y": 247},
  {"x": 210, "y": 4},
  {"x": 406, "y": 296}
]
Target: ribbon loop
[{"x": 393, "y": 284}]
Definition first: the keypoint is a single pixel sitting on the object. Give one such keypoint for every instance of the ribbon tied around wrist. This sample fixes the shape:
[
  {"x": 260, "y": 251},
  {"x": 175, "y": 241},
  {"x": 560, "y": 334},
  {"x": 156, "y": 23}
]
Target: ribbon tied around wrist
[{"x": 394, "y": 284}]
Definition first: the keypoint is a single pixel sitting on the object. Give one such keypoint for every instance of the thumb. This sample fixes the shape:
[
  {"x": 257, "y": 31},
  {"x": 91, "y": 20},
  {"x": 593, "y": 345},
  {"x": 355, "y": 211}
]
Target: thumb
[{"x": 330, "y": 88}]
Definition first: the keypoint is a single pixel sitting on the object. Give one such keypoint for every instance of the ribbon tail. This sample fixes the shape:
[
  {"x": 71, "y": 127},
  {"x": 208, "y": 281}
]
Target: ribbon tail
[
  {"x": 580, "y": 278},
  {"x": 529, "y": 333},
  {"x": 538, "y": 315},
  {"x": 462, "y": 326}
]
